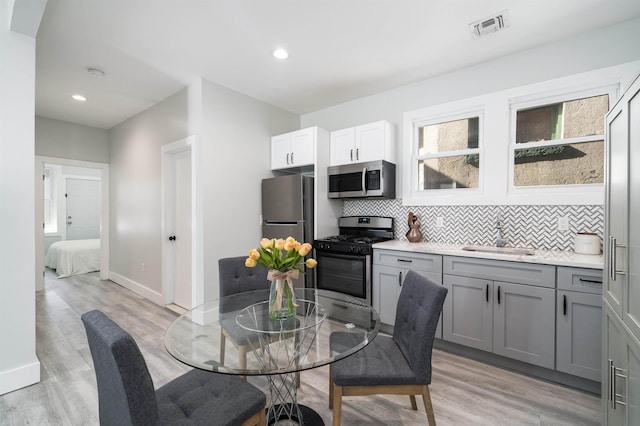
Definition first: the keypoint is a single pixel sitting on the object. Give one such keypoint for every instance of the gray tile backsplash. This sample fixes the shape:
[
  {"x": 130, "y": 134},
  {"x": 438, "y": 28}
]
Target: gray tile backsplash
[{"x": 523, "y": 226}]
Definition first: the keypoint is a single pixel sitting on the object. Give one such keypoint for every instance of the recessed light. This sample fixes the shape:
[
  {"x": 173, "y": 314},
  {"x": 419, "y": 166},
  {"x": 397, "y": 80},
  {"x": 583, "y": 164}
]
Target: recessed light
[
  {"x": 79, "y": 98},
  {"x": 280, "y": 54}
]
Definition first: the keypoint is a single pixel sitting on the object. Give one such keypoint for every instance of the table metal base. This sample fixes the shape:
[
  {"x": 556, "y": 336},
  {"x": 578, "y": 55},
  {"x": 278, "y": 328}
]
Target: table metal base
[
  {"x": 289, "y": 412},
  {"x": 284, "y": 403}
]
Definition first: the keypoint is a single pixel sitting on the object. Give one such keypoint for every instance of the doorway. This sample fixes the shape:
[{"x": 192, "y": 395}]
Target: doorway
[
  {"x": 85, "y": 170},
  {"x": 182, "y": 243}
]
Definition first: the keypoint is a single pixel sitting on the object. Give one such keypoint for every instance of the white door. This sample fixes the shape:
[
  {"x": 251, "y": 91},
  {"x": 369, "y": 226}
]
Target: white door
[
  {"x": 183, "y": 229},
  {"x": 83, "y": 208}
]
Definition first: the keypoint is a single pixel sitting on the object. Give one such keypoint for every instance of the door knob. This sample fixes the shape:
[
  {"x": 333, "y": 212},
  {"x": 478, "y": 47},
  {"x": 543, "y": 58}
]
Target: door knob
[{"x": 172, "y": 238}]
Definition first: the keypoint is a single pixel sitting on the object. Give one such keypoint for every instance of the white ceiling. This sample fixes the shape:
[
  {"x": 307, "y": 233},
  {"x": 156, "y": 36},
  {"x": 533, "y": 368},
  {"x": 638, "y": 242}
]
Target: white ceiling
[{"x": 339, "y": 49}]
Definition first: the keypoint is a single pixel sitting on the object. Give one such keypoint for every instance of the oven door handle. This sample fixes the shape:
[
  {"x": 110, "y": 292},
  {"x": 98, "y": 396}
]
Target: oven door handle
[{"x": 346, "y": 256}]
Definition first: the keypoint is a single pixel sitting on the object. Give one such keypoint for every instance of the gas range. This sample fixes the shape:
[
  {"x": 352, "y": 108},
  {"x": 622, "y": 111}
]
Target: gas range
[{"x": 357, "y": 234}]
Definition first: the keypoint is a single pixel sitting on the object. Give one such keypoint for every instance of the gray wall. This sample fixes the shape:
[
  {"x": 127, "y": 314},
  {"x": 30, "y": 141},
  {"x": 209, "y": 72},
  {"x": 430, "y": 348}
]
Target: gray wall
[
  {"x": 135, "y": 175},
  {"x": 609, "y": 46},
  {"x": 234, "y": 133},
  {"x": 61, "y": 139},
  {"x": 19, "y": 365},
  {"x": 236, "y": 146}
]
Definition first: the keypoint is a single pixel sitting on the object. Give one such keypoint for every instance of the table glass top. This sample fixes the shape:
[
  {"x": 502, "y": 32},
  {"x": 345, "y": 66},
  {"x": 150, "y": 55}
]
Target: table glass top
[{"x": 213, "y": 336}]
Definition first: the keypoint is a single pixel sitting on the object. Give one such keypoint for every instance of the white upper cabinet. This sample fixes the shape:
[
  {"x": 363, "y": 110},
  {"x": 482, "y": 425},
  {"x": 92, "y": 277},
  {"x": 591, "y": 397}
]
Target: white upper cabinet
[
  {"x": 368, "y": 142},
  {"x": 294, "y": 149}
]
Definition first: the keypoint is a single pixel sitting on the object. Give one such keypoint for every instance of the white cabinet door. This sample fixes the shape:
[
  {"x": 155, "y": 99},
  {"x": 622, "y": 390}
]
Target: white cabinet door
[
  {"x": 371, "y": 142},
  {"x": 294, "y": 149},
  {"x": 524, "y": 323},
  {"x": 343, "y": 146},
  {"x": 303, "y": 147},
  {"x": 281, "y": 151},
  {"x": 467, "y": 314},
  {"x": 367, "y": 142}
]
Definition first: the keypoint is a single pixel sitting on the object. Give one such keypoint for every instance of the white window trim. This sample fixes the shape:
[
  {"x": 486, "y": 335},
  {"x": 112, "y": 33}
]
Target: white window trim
[
  {"x": 526, "y": 102},
  {"x": 429, "y": 116},
  {"x": 497, "y": 136}
]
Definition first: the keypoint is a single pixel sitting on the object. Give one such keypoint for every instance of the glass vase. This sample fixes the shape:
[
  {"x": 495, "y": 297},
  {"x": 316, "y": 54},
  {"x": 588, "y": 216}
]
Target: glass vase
[{"x": 282, "y": 301}]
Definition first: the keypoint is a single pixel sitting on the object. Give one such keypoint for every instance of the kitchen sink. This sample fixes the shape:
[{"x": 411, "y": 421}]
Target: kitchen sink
[{"x": 501, "y": 250}]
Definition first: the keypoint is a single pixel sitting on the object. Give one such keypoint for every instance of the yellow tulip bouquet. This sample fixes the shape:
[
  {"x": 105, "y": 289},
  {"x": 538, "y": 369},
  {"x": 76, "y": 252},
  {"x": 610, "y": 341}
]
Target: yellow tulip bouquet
[{"x": 284, "y": 259}]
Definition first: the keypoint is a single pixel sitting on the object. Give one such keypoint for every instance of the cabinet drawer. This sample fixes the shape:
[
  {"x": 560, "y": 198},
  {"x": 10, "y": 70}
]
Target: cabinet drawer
[
  {"x": 498, "y": 270},
  {"x": 580, "y": 279},
  {"x": 408, "y": 260}
]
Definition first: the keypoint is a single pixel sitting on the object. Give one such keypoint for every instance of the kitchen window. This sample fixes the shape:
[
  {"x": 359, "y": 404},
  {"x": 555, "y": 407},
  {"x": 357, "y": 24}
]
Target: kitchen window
[
  {"x": 447, "y": 153},
  {"x": 558, "y": 142}
]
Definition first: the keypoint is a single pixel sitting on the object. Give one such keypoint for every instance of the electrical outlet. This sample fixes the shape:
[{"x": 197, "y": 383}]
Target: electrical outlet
[
  {"x": 563, "y": 223},
  {"x": 439, "y": 222}
]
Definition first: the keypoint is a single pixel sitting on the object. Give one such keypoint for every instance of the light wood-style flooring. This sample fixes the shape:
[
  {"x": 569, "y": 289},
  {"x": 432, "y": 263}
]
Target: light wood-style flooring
[{"x": 464, "y": 392}]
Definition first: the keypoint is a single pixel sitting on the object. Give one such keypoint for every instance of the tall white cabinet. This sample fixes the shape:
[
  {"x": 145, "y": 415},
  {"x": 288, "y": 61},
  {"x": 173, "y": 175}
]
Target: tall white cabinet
[{"x": 621, "y": 291}]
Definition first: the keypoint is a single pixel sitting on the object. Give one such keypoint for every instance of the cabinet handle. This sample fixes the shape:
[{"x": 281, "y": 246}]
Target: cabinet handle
[
  {"x": 287, "y": 158},
  {"x": 405, "y": 260},
  {"x": 292, "y": 158},
  {"x": 357, "y": 154},
  {"x": 613, "y": 263},
  {"x": 486, "y": 293},
  {"x": 564, "y": 305},
  {"x": 613, "y": 373},
  {"x": 498, "y": 295},
  {"x": 351, "y": 154},
  {"x": 583, "y": 280},
  {"x": 400, "y": 279}
]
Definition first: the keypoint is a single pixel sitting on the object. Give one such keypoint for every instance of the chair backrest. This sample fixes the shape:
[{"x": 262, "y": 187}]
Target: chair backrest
[
  {"x": 126, "y": 394},
  {"x": 235, "y": 277},
  {"x": 419, "y": 306}
]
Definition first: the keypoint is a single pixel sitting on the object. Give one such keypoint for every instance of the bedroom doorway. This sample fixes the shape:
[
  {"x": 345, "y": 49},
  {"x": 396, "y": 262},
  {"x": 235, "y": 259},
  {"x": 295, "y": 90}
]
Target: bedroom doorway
[{"x": 50, "y": 220}]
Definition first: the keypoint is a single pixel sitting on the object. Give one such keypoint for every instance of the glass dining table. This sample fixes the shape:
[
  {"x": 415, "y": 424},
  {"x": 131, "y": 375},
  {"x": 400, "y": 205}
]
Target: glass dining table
[{"x": 275, "y": 348}]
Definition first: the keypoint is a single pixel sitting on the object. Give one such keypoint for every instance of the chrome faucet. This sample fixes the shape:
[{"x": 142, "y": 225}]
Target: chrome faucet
[{"x": 500, "y": 242}]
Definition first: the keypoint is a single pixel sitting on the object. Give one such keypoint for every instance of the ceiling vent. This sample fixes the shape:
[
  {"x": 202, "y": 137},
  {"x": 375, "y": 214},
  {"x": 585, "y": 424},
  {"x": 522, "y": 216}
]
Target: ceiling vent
[{"x": 490, "y": 24}]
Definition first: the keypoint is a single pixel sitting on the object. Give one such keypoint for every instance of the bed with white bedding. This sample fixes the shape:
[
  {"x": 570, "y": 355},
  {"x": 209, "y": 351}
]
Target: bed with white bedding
[{"x": 73, "y": 257}]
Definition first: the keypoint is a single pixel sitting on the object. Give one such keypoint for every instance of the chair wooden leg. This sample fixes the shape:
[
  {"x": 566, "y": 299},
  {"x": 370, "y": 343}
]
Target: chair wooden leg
[
  {"x": 330, "y": 389},
  {"x": 242, "y": 355},
  {"x": 414, "y": 404},
  {"x": 222, "y": 347},
  {"x": 337, "y": 405},
  {"x": 426, "y": 397}
]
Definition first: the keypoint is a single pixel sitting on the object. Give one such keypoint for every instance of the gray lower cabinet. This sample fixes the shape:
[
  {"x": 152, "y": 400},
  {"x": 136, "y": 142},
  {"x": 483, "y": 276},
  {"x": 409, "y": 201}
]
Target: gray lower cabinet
[
  {"x": 514, "y": 318},
  {"x": 390, "y": 268},
  {"x": 579, "y": 322},
  {"x": 468, "y": 312},
  {"x": 621, "y": 378}
]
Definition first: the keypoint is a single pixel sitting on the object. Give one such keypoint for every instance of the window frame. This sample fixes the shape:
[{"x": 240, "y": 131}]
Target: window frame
[
  {"x": 535, "y": 100},
  {"x": 441, "y": 115}
]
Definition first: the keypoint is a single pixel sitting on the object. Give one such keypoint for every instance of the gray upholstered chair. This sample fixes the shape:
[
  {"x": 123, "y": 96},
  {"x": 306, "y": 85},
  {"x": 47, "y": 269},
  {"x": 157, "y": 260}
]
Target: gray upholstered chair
[
  {"x": 236, "y": 278},
  {"x": 398, "y": 364},
  {"x": 126, "y": 394}
]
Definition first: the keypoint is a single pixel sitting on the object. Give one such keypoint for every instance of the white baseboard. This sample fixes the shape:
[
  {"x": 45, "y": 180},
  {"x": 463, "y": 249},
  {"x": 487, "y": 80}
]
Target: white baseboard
[
  {"x": 20, "y": 377},
  {"x": 137, "y": 288}
]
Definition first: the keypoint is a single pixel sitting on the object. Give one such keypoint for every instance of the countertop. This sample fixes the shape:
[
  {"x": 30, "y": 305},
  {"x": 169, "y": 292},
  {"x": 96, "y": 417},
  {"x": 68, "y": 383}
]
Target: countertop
[{"x": 547, "y": 257}]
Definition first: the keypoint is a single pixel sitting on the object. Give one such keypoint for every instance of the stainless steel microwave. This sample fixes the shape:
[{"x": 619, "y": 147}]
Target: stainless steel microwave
[{"x": 373, "y": 179}]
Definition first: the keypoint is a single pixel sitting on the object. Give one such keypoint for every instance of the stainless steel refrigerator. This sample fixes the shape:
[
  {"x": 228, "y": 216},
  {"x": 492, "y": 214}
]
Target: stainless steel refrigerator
[{"x": 287, "y": 210}]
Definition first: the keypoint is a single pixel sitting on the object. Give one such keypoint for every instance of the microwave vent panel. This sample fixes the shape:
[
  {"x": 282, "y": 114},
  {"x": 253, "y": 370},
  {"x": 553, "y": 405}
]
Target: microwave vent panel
[{"x": 489, "y": 24}]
